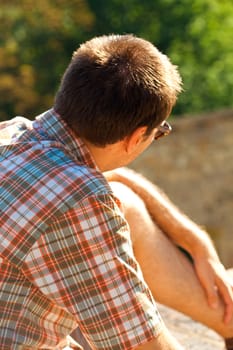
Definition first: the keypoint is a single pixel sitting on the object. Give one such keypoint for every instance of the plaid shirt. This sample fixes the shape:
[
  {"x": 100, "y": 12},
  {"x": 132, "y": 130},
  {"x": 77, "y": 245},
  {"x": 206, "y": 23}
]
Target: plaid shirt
[{"x": 66, "y": 258}]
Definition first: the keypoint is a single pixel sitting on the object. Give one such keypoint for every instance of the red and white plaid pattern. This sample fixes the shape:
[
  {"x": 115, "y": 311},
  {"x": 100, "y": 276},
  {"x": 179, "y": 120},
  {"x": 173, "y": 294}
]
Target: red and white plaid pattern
[{"x": 66, "y": 259}]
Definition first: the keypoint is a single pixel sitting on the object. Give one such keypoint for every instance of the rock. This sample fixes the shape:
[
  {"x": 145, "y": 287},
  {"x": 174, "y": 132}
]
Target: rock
[{"x": 192, "y": 335}]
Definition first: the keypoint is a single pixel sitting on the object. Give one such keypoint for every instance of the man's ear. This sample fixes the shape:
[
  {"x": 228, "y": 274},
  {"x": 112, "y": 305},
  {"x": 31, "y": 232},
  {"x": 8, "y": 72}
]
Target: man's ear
[{"x": 132, "y": 141}]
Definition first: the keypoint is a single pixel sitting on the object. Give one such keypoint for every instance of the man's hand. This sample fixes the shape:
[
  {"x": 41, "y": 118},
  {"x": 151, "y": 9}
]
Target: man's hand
[{"x": 217, "y": 283}]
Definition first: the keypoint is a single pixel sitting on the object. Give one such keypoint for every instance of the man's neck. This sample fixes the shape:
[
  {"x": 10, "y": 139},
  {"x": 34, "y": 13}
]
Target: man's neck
[{"x": 108, "y": 157}]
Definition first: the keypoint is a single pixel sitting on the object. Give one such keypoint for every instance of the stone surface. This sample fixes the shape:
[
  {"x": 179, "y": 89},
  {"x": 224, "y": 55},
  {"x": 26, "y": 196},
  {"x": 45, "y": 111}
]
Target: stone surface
[
  {"x": 194, "y": 166},
  {"x": 192, "y": 335}
]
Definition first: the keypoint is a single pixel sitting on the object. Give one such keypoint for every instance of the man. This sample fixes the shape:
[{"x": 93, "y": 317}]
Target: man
[{"x": 88, "y": 249}]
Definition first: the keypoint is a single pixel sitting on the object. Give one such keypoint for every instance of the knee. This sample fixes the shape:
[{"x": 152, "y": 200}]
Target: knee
[
  {"x": 135, "y": 212},
  {"x": 130, "y": 201}
]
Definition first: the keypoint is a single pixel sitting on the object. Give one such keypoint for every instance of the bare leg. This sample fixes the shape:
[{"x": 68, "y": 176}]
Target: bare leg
[{"x": 169, "y": 274}]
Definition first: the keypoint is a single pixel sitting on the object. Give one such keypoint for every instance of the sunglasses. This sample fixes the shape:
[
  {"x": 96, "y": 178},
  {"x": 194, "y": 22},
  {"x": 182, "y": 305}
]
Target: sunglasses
[{"x": 163, "y": 130}]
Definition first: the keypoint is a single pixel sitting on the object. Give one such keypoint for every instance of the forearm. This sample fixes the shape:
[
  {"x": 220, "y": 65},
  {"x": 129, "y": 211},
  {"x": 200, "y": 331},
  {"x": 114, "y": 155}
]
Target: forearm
[{"x": 183, "y": 231}]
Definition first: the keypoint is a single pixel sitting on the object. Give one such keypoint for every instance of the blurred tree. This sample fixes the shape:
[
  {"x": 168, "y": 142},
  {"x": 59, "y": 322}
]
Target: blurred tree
[
  {"x": 36, "y": 41},
  {"x": 204, "y": 52}
]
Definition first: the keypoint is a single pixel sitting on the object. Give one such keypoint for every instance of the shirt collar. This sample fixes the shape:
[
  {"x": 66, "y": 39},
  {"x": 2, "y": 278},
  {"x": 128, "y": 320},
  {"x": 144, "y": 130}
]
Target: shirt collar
[{"x": 52, "y": 125}]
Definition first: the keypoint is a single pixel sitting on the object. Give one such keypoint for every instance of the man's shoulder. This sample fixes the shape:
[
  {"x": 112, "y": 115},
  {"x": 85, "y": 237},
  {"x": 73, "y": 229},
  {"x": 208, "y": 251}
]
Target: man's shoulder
[
  {"x": 69, "y": 178},
  {"x": 9, "y": 129}
]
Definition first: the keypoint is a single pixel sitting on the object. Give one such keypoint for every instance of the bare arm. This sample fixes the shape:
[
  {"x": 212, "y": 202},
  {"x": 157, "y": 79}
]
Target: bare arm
[
  {"x": 185, "y": 233},
  {"x": 167, "y": 216}
]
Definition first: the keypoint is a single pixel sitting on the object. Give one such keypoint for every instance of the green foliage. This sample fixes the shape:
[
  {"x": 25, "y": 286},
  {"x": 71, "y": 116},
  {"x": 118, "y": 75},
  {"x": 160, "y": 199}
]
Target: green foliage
[
  {"x": 204, "y": 54},
  {"x": 37, "y": 39},
  {"x": 196, "y": 35}
]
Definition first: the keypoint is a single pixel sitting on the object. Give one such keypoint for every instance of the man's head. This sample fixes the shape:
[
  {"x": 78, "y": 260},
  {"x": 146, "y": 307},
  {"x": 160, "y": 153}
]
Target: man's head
[{"x": 115, "y": 84}]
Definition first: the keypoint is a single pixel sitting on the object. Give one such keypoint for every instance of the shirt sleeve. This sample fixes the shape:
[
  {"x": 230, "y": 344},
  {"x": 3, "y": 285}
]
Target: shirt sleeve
[{"x": 85, "y": 263}]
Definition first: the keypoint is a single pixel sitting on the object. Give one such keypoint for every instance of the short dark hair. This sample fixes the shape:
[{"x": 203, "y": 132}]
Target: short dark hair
[{"x": 115, "y": 84}]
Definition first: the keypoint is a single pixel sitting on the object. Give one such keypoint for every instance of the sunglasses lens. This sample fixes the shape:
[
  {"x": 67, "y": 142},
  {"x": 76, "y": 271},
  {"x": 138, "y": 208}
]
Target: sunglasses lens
[{"x": 163, "y": 130}]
